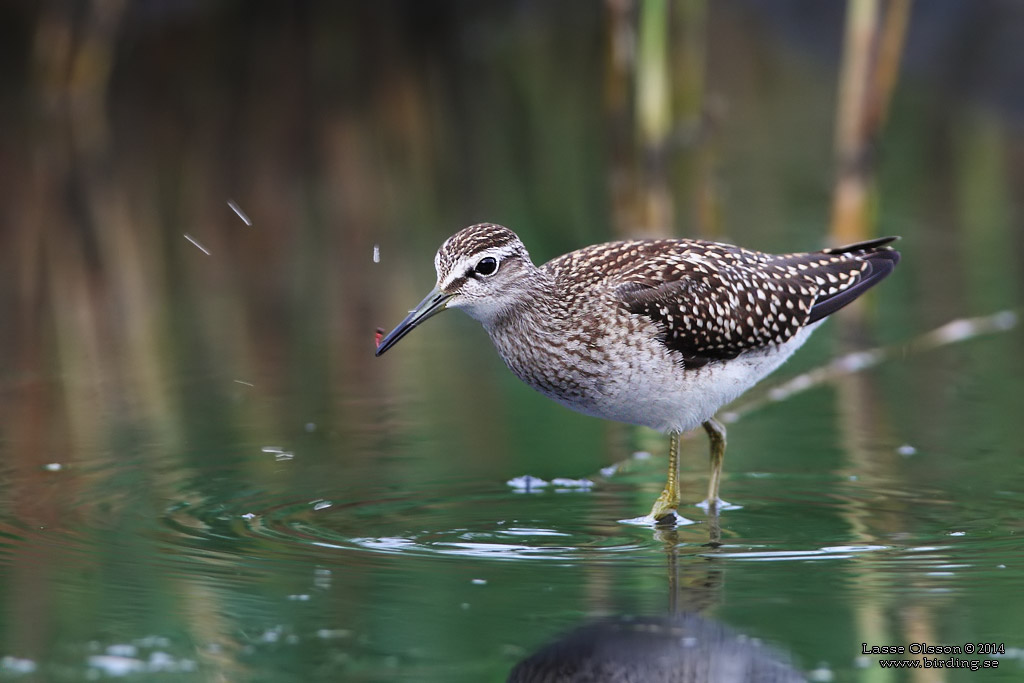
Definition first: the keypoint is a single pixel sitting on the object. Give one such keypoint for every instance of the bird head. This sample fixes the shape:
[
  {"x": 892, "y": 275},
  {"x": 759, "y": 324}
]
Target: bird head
[{"x": 481, "y": 269}]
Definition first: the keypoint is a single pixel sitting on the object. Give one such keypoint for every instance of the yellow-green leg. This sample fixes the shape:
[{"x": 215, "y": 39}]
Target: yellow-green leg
[
  {"x": 669, "y": 499},
  {"x": 716, "y": 432}
]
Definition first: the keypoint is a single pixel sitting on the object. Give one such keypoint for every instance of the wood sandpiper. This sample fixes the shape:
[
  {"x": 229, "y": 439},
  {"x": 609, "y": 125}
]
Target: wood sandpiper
[{"x": 660, "y": 333}]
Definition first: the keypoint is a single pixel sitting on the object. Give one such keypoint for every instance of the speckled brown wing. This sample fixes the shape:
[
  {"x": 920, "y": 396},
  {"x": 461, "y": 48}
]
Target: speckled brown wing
[{"x": 715, "y": 301}]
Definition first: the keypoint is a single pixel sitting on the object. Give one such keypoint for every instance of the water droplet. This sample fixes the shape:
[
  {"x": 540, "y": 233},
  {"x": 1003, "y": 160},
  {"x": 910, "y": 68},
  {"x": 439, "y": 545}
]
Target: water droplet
[
  {"x": 238, "y": 212},
  {"x": 196, "y": 243}
]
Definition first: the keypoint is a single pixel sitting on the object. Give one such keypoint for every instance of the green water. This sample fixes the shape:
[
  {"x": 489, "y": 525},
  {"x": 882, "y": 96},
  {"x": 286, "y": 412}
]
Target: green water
[
  {"x": 393, "y": 549},
  {"x": 205, "y": 475}
]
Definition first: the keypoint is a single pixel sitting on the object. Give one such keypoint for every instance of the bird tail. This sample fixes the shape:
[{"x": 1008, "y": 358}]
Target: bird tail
[{"x": 881, "y": 260}]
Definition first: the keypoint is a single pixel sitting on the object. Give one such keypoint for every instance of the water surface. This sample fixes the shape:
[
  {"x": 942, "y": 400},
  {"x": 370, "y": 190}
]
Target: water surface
[{"x": 205, "y": 475}]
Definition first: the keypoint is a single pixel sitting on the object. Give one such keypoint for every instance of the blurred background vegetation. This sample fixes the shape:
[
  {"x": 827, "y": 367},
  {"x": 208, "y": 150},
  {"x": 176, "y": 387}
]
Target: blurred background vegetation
[
  {"x": 150, "y": 336},
  {"x": 340, "y": 126}
]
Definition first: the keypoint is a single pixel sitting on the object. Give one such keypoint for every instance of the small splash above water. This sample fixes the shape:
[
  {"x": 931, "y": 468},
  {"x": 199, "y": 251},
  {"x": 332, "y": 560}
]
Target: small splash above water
[
  {"x": 196, "y": 243},
  {"x": 527, "y": 483},
  {"x": 530, "y": 484},
  {"x": 720, "y": 506},
  {"x": 233, "y": 205},
  {"x": 650, "y": 521},
  {"x": 564, "y": 484}
]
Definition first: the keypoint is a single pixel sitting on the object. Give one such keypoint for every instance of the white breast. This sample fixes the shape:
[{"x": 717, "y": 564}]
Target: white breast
[{"x": 657, "y": 393}]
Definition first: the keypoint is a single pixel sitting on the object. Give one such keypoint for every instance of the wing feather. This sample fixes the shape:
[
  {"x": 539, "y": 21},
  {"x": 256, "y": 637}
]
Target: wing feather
[{"x": 714, "y": 301}]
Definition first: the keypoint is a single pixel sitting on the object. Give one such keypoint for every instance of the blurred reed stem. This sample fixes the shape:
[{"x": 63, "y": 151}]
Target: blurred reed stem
[
  {"x": 693, "y": 175},
  {"x": 871, "y": 57},
  {"x": 653, "y": 101},
  {"x": 870, "y": 66},
  {"x": 662, "y": 46},
  {"x": 654, "y": 116}
]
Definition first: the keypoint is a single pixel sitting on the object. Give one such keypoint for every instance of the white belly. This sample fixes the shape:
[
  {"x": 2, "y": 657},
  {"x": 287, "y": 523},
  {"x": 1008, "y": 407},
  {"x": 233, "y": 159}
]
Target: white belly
[{"x": 640, "y": 391}]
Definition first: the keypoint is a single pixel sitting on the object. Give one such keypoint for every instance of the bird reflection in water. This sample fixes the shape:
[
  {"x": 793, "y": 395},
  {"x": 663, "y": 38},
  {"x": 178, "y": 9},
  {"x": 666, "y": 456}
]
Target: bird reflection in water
[
  {"x": 680, "y": 647},
  {"x": 684, "y": 648}
]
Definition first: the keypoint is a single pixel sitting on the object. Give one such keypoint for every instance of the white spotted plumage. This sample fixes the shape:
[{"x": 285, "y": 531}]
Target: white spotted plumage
[
  {"x": 654, "y": 332},
  {"x": 660, "y": 333}
]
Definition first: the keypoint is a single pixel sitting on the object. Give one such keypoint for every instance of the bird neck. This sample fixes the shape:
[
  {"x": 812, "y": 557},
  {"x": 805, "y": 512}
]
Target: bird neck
[
  {"x": 531, "y": 334},
  {"x": 536, "y": 309}
]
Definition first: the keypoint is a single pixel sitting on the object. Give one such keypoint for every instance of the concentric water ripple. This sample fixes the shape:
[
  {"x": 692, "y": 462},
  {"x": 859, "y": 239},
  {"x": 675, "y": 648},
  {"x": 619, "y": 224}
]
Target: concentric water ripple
[{"x": 499, "y": 524}]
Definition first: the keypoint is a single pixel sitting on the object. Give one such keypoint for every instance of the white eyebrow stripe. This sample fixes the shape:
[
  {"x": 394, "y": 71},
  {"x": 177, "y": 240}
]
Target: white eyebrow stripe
[{"x": 467, "y": 263}]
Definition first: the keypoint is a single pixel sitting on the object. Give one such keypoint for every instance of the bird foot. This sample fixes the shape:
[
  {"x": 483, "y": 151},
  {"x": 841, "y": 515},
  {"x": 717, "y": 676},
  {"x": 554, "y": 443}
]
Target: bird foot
[{"x": 665, "y": 507}]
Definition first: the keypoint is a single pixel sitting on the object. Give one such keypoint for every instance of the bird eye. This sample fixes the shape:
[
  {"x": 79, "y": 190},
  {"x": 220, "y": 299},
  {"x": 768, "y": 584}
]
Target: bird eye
[{"x": 487, "y": 266}]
